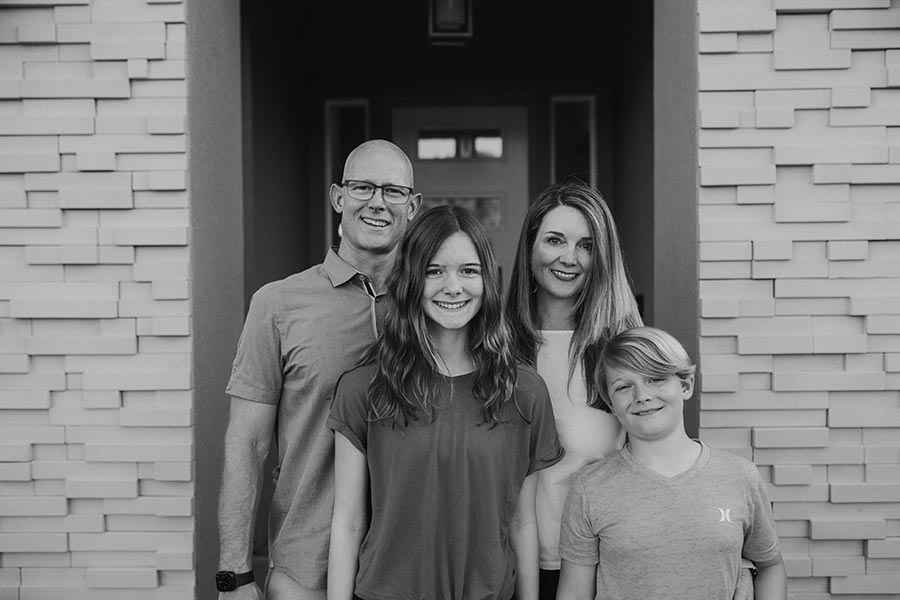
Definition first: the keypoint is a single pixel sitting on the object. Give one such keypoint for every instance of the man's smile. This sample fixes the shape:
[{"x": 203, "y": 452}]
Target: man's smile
[{"x": 375, "y": 222}]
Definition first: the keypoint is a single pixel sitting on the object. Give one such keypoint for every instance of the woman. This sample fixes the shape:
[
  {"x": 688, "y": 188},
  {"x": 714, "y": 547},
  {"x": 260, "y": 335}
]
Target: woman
[
  {"x": 569, "y": 293},
  {"x": 441, "y": 432}
]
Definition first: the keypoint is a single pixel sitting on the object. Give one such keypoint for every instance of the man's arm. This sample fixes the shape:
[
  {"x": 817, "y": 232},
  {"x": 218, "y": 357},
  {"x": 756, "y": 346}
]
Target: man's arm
[
  {"x": 247, "y": 443},
  {"x": 349, "y": 522},
  {"x": 524, "y": 537},
  {"x": 577, "y": 582},
  {"x": 771, "y": 582}
]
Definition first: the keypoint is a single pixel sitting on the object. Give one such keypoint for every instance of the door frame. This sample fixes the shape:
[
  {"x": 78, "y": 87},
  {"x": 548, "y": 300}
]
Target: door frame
[{"x": 217, "y": 154}]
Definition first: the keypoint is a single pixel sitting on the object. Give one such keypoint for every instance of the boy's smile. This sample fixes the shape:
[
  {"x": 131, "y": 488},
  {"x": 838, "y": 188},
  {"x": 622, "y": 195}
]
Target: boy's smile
[{"x": 648, "y": 406}]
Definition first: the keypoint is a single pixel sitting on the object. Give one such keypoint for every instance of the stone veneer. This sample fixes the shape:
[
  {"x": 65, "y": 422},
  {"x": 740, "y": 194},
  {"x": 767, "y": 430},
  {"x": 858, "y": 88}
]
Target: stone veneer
[
  {"x": 799, "y": 246},
  {"x": 96, "y": 477}
]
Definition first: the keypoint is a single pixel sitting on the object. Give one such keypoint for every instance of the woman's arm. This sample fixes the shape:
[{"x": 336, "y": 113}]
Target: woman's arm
[
  {"x": 577, "y": 582},
  {"x": 348, "y": 525},
  {"x": 525, "y": 541},
  {"x": 771, "y": 582}
]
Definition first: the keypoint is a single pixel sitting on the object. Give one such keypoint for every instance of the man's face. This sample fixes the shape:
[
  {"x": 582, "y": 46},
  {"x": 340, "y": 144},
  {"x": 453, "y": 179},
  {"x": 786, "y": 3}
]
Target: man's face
[{"x": 374, "y": 225}]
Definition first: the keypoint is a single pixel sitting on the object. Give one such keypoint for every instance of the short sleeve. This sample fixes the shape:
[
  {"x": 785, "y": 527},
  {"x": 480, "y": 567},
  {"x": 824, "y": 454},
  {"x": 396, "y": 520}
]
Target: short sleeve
[
  {"x": 349, "y": 410},
  {"x": 578, "y": 543},
  {"x": 256, "y": 373},
  {"x": 761, "y": 538},
  {"x": 546, "y": 449}
]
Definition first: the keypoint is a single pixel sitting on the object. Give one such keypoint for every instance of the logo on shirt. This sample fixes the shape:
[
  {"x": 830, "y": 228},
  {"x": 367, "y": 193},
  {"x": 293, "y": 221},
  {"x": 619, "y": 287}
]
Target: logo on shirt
[{"x": 724, "y": 515}]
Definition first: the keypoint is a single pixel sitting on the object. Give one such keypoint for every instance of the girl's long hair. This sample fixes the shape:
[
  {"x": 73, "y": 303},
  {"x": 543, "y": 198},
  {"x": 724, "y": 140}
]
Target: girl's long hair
[
  {"x": 604, "y": 307},
  {"x": 407, "y": 372}
]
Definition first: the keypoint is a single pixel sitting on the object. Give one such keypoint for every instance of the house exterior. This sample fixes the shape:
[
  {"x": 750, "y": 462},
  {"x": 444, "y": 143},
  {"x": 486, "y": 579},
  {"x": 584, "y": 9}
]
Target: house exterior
[{"x": 127, "y": 247}]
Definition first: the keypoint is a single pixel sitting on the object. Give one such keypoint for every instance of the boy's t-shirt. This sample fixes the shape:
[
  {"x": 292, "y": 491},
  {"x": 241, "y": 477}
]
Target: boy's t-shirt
[
  {"x": 443, "y": 493},
  {"x": 657, "y": 537}
]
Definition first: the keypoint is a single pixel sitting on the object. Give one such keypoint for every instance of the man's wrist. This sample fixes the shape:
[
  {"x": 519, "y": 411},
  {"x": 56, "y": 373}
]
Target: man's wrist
[{"x": 228, "y": 581}]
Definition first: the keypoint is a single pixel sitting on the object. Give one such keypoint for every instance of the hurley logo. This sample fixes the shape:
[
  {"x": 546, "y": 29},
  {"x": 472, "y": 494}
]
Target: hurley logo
[{"x": 724, "y": 515}]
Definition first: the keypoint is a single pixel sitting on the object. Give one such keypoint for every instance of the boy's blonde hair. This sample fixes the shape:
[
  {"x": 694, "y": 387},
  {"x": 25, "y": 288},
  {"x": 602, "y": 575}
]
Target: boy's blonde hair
[{"x": 644, "y": 350}]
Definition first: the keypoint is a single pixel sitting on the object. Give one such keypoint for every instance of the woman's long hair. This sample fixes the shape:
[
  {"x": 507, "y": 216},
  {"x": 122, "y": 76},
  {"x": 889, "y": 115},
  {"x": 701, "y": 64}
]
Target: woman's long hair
[
  {"x": 407, "y": 371},
  {"x": 605, "y": 305}
]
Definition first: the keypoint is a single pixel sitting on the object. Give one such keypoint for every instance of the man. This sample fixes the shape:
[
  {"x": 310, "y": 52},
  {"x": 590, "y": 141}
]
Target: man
[{"x": 301, "y": 333}]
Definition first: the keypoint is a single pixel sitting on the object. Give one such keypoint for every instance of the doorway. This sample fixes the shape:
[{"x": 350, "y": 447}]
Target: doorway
[
  {"x": 475, "y": 157},
  {"x": 637, "y": 58}
]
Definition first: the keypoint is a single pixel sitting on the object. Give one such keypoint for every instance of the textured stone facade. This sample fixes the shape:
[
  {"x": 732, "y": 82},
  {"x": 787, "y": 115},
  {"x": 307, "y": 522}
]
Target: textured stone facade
[
  {"x": 800, "y": 274},
  {"x": 96, "y": 481}
]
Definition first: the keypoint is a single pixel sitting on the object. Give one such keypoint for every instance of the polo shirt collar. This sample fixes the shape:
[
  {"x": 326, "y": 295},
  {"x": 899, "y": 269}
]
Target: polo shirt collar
[{"x": 338, "y": 270}]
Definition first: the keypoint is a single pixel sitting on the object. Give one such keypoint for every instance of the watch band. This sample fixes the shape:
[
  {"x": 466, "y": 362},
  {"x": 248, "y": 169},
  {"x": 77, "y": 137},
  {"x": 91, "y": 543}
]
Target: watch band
[{"x": 228, "y": 581}]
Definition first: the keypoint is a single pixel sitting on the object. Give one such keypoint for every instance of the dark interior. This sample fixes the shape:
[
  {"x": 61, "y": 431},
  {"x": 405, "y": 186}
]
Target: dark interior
[
  {"x": 521, "y": 53},
  {"x": 296, "y": 55}
]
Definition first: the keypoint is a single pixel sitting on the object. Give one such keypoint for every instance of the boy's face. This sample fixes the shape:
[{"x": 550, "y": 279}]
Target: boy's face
[{"x": 648, "y": 406}]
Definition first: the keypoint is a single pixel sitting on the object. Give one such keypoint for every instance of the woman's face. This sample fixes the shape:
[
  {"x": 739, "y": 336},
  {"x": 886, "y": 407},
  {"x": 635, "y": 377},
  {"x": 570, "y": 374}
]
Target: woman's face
[
  {"x": 561, "y": 255},
  {"x": 453, "y": 284}
]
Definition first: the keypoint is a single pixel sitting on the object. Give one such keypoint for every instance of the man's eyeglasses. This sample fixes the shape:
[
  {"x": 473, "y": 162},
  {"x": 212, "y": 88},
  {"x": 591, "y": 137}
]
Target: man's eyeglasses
[{"x": 364, "y": 190}]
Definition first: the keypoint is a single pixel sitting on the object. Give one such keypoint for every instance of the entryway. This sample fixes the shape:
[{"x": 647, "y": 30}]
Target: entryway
[
  {"x": 475, "y": 157},
  {"x": 626, "y": 68}
]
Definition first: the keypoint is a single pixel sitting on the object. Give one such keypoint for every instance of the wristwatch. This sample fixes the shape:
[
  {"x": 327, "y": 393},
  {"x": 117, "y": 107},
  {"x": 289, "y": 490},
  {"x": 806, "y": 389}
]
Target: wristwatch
[{"x": 228, "y": 581}]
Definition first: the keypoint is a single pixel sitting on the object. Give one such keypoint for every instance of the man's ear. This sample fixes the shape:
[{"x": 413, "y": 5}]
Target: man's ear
[
  {"x": 688, "y": 386},
  {"x": 415, "y": 203},
  {"x": 336, "y": 196}
]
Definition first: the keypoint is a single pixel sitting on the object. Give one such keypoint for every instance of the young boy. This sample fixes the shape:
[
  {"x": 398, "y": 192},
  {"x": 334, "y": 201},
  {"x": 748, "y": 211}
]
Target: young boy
[{"x": 667, "y": 516}]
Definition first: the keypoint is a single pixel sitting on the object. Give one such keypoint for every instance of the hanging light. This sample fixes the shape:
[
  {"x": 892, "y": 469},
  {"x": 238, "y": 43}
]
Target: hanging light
[{"x": 449, "y": 21}]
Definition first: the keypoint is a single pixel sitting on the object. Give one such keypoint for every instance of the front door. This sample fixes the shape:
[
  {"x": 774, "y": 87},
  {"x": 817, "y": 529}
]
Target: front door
[{"x": 476, "y": 157}]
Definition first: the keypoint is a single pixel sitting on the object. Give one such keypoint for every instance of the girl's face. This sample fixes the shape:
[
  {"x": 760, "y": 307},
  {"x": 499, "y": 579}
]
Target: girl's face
[
  {"x": 454, "y": 287},
  {"x": 561, "y": 255}
]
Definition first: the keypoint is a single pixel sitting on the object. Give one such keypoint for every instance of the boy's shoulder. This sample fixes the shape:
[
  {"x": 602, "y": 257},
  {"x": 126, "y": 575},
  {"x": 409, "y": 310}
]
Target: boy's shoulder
[
  {"x": 601, "y": 469},
  {"x": 730, "y": 464},
  {"x": 730, "y": 459}
]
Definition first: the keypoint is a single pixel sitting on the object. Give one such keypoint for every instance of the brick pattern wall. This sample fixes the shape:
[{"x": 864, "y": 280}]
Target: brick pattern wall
[
  {"x": 96, "y": 481},
  {"x": 800, "y": 274}
]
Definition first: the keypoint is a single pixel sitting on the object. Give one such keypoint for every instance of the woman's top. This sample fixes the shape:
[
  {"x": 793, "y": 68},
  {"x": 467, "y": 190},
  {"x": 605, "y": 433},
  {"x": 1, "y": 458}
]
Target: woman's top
[
  {"x": 443, "y": 493},
  {"x": 586, "y": 433}
]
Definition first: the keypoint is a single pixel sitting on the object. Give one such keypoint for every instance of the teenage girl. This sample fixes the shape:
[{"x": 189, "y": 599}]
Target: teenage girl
[{"x": 440, "y": 433}]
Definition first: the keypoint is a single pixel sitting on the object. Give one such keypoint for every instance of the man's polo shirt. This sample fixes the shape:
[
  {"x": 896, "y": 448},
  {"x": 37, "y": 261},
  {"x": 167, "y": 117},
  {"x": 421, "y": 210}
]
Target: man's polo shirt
[{"x": 300, "y": 335}]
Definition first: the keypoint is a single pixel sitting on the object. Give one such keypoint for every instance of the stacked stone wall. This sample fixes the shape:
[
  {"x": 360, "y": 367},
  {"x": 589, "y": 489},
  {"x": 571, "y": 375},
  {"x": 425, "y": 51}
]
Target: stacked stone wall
[
  {"x": 799, "y": 246},
  {"x": 96, "y": 457}
]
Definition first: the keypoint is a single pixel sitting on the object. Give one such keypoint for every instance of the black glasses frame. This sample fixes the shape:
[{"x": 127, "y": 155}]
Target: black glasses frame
[{"x": 408, "y": 189}]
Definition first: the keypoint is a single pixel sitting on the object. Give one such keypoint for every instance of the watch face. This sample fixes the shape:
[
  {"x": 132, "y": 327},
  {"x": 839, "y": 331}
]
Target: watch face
[{"x": 225, "y": 581}]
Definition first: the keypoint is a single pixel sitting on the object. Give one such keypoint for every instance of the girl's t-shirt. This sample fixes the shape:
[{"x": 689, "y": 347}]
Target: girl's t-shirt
[
  {"x": 443, "y": 493},
  {"x": 586, "y": 433}
]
